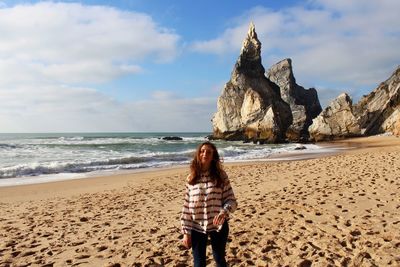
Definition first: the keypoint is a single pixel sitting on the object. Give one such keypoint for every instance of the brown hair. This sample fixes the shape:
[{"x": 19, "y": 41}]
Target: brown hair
[{"x": 216, "y": 171}]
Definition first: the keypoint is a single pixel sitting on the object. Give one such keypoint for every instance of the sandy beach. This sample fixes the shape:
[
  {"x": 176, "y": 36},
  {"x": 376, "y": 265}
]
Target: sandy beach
[{"x": 336, "y": 210}]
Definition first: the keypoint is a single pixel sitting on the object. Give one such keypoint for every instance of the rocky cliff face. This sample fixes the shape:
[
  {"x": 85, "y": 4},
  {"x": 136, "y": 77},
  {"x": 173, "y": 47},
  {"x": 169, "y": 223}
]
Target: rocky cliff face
[
  {"x": 304, "y": 104},
  {"x": 376, "y": 113},
  {"x": 250, "y": 106},
  {"x": 379, "y": 111}
]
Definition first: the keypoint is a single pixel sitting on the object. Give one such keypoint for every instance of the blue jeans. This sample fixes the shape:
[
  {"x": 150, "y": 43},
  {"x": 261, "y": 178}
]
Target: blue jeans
[{"x": 218, "y": 243}]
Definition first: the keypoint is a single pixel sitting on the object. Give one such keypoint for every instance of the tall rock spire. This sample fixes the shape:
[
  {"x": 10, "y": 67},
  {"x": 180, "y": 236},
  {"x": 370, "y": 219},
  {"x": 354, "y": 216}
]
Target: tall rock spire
[
  {"x": 250, "y": 106},
  {"x": 249, "y": 61},
  {"x": 251, "y": 48}
]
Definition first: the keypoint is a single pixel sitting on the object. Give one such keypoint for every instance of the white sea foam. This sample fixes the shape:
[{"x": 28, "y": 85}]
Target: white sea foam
[
  {"x": 34, "y": 157},
  {"x": 38, "y": 179}
]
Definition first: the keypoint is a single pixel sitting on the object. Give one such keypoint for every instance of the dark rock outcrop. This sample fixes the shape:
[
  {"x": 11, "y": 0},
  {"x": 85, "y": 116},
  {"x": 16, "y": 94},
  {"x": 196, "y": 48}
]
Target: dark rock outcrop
[
  {"x": 304, "y": 104},
  {"x": 250, "y": 106},
  {"x": 172, "y": 138}
]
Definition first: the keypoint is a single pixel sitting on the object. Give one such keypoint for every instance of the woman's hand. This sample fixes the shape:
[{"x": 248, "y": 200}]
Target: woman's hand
[
  {"x": 187, "y": 241},
  {"x": 219, "y": 219}
]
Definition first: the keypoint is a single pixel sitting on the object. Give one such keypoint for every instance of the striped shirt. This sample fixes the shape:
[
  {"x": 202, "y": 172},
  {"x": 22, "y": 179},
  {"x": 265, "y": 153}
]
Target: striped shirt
[{"x": 203, "y": 201}]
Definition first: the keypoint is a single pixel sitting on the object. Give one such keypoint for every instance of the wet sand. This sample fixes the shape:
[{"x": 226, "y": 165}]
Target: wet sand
[{"x": 340, "y": 210}]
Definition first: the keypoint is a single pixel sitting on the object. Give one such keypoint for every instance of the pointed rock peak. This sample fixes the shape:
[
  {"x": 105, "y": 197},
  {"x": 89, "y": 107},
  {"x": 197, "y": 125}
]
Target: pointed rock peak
[
  {"x": 252, "y": 31},
  {"x": 251, "y": 46},
  {"x": 287, "y": 62},
  {"x": 283, "y": 68}
]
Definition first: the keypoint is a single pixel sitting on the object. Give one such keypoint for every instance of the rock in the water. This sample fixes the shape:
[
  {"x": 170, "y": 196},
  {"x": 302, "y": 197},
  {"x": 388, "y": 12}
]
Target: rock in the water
[
  {"x": 304, "y": 103},
  {"x": 250, "y": 106},
  {"x": 379, "y": 111},
  {"x": 300, "y": 147},
  {"x": 172, "y": 138},
  {"x": 336, "y": 121}
]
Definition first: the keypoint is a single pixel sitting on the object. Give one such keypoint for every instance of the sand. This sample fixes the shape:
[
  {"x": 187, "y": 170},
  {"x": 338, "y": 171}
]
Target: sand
[{"x": 341, "y": 210}]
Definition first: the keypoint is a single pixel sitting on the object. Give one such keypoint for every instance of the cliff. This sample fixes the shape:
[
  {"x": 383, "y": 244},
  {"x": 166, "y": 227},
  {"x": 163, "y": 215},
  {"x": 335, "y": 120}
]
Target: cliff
[
  {"x": 250, "y": 107},
  {"x": 376, "y": 113}
]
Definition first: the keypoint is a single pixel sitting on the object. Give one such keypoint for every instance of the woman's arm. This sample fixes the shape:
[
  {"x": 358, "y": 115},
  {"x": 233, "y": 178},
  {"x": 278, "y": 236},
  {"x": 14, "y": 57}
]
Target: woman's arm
[
  {"x": 186, "y": 216},
  {"x": 229, "y": 203}
]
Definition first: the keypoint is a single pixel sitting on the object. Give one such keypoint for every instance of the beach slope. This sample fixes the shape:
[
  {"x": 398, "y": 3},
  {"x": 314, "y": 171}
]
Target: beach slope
[{"x": 340, "y": 210}]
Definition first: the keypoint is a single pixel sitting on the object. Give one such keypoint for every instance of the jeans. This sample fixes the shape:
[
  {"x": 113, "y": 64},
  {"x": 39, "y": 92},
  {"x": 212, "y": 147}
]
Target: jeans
[{"x": 218, "y": 243}]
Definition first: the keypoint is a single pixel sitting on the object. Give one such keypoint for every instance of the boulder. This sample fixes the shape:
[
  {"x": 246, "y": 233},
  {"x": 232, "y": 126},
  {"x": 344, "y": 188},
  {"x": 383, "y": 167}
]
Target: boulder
[
  {"x": 396, "y": 127},
  {"x": 300, "y": 147},
  {"x": 337, "y": 121},
  {"x": 250, "y": 107},
  {"x": 304, "y": 103},
  {"x": 172, "y": 138},
  {"x": 376, "y": 113}
]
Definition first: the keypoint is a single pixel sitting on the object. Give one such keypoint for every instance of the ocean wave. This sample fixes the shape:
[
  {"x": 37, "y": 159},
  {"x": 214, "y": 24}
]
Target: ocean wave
[
  {"x": 80, "y": 141},
  {"x": 234, "y": 153},
  {"x": 58, "y": 154},
  {"x": 149, "y": 159},
  {"x": 73, "y": 138},
  {"x": 8, "y": 146}
]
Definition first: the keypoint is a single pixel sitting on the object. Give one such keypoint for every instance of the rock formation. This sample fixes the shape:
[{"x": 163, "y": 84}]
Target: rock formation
[
  {"x": 304, "y": 103},
  {"x": 172, "y": 138},
  {"x": 271, "y": 107},
  {"x": 250, "y": 106},
  {"x": 379, "y": 111},
  {"x": 336, "y": 121},
  {"x": 376, "y": 113},
  {"x": 396, "y": 127}
]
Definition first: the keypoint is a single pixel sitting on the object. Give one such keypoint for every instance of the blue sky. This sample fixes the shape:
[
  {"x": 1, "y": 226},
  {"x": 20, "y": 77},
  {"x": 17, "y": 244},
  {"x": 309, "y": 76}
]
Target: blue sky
[{"x": 68, "y": 66}]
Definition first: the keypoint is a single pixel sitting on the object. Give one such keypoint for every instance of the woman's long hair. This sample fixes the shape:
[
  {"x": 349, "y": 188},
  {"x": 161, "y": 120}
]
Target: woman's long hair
[{"x": 216, "y": 171}]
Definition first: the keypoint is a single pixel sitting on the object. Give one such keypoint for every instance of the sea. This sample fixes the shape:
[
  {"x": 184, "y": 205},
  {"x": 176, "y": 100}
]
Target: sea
[{"x": 27, "y": 158}]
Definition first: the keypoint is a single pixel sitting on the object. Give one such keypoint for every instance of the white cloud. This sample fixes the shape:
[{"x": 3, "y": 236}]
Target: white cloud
[
  {"x": 230, "y": 40},
  {"x": 163, "y": 95},
  {"x": 48, "y": 51},
  {"x": 66, "y": 43},
  {"x": 60, "y": 109},
  {"x": 52, "y": 108},
  {"x": 352, "y": 44},
  {"x": 172, "y": 114}
]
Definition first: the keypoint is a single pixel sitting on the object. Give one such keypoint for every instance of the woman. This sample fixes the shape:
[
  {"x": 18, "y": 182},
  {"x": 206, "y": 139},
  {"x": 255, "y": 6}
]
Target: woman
[{"x": 208, "y": 201}]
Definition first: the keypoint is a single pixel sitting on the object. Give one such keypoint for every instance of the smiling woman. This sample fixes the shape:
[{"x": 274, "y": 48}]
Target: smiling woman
[{"x": 209, "y": 200}]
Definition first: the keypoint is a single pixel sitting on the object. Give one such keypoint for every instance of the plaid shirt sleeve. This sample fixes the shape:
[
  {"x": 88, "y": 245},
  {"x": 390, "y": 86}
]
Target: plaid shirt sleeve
[
  {"x": 229, "y": 203},
  {"x": 186, "y": 218}
]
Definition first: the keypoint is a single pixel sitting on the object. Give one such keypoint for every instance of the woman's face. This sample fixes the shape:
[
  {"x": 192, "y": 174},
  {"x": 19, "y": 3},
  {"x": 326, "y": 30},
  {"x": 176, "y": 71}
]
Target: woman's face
[{"x": 206, "y": 155}]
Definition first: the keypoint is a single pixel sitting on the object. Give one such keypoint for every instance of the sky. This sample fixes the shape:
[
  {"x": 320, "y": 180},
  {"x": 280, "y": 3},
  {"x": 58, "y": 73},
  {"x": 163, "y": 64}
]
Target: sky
[{"x": 159, "y": 66}]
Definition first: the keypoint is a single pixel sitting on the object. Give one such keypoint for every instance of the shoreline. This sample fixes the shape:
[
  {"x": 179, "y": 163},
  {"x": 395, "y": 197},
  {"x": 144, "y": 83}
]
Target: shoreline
[
  {"x": 327, "y": 148},
  {"x": 339, "y": 210},
  {"x": 352, "y": 145},
  {"x": 108, "y": 181},
  {"x": 105, "y": 180}
]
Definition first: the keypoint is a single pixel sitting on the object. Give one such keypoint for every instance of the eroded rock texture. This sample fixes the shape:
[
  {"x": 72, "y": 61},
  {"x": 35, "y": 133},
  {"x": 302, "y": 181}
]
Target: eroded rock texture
[
  {"x": 379, "y": 111},
  {"x": 336, "y": 121},
  {"x": 250, "y": 106},
  {"x": 304, "y": 103}
]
